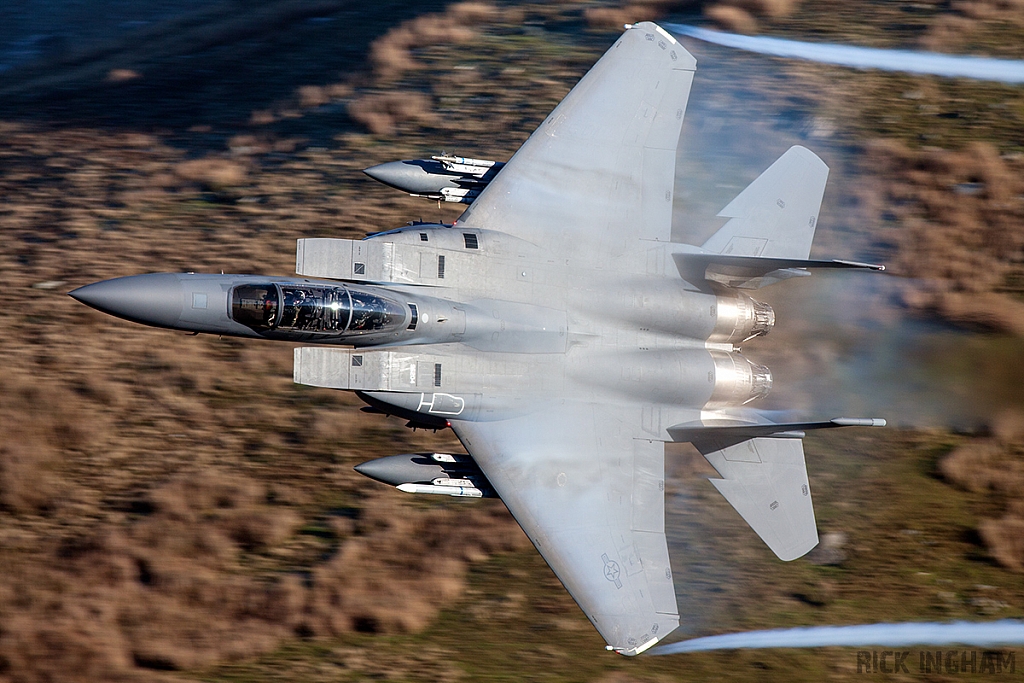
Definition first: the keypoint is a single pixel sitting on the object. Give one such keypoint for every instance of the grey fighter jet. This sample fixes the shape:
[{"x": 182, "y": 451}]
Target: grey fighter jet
[{"x": 561, "y": 334}]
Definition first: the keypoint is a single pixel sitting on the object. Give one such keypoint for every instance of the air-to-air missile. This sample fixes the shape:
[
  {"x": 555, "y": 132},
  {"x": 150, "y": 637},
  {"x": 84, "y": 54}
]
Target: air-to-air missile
[{"x": 443, "y": 178}]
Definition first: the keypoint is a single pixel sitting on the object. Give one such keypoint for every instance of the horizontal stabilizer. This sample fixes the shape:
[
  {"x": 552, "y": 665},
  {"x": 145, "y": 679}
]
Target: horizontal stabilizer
[
  {"x": 765, "y": 480},
  {"x": 777, "y": 213},
  {"x": 752, "y": 272},
  {"x": 726, "y": 431},
  {"x": 764, "y": 476}
]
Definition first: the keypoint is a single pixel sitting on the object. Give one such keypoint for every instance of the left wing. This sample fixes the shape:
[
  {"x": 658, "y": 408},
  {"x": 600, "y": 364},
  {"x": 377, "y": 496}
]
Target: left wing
[{"x": 591, "y": 497}]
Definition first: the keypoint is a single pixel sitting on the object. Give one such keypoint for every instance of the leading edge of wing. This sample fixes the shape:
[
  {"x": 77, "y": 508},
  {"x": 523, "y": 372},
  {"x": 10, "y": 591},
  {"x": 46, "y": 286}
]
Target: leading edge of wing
[
  {"x": 591, "y": 499},
  {"x": 598, "y": 173}
]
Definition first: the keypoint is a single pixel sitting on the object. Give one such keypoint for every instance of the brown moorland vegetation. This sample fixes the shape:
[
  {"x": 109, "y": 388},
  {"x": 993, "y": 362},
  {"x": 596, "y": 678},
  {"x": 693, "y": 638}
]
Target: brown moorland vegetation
[
  {"x": 953, "y": 217},
  {"x": 995, "y": 466}
]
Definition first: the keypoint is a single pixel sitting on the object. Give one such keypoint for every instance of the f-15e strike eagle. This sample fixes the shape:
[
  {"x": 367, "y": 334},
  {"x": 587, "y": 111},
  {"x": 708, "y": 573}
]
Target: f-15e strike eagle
[{"x": 558, "y": 331}]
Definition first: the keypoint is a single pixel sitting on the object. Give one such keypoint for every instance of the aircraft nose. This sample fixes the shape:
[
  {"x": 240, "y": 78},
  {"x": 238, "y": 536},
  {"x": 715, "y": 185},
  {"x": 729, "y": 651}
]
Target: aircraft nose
[{"x": 153, "y": 299}]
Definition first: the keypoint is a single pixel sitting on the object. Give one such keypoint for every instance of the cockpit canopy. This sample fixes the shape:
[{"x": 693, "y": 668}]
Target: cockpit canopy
[{"x": 332, "y": 310}]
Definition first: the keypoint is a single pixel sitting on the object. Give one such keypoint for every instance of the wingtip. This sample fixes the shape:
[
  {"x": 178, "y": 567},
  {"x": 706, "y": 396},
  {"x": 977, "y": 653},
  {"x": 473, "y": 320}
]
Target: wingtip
[
  {"x": 634, "y": 651},
  {"x": 668, "y": 36}
]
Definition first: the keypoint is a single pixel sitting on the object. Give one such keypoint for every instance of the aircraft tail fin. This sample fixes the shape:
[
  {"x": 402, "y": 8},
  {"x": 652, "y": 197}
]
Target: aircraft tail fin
[
  {"x": 775, "y": 215},
  {"x": 730, "y": 431}
]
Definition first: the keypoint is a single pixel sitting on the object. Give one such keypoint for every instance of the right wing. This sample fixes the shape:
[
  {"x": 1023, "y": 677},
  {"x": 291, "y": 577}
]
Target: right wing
[{"x": 598, "y": 174}]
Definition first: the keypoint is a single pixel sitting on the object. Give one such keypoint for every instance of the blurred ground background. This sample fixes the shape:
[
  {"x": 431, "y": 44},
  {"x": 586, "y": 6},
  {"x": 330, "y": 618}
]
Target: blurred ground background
[{"x": 174, "y": 508}]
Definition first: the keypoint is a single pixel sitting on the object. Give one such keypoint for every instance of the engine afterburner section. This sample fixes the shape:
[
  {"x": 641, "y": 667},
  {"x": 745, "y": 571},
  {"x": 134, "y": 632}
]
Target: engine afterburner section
[
  {"x": 738, "y": 380},
  {"x": 741, "y": 318}
]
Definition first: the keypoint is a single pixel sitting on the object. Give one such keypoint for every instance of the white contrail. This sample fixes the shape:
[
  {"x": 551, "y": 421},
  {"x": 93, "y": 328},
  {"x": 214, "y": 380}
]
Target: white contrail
[
  {"x": 984, "y": 634},
  {"x": 934, "y": 63}
]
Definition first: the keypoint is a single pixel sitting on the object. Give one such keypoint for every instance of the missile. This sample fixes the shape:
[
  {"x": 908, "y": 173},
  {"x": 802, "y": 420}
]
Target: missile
[
  {"x": 441, "y": 178},
  {"x": 432, "y": 473},
  {"x": 443, "y": 490}
]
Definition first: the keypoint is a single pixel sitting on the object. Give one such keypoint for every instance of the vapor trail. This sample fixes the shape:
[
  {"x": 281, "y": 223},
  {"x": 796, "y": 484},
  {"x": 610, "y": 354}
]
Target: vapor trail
[
  {"x": 933, "y": 63},
  {"x": 987, "y": 634}
]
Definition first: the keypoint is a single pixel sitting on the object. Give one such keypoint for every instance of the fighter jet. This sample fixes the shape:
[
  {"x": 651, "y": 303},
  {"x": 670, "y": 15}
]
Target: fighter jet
[{"x": 561, "y": 334}]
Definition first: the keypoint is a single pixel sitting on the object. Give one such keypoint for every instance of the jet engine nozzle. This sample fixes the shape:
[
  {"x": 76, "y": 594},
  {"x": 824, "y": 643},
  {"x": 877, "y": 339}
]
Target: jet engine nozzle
[
  {"x": 737, "y": 380},
  {"x": 741, "y": 318}
]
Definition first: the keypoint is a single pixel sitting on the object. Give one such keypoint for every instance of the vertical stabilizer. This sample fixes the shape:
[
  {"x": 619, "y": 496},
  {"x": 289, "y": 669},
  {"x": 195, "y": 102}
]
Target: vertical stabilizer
[{"x": 777, "y": 213}]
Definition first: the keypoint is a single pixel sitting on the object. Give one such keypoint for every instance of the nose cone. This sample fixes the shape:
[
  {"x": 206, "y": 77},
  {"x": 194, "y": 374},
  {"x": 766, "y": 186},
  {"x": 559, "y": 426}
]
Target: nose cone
[
  {"x": 419, "y": 176},
  {"x": 153, "y": 299}
]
